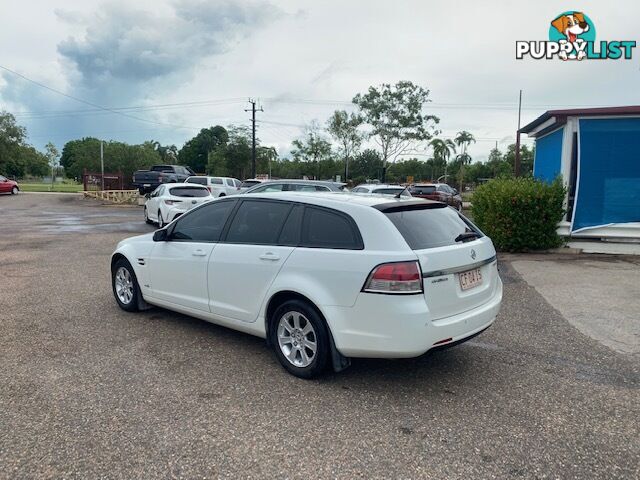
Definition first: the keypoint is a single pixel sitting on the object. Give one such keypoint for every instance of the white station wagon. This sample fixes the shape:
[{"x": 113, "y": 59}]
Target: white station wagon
[{"x": 322, "y": 276}]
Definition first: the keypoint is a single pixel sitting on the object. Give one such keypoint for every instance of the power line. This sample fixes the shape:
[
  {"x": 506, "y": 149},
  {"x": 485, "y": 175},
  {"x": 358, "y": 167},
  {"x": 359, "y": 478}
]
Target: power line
[{"x": 86, "y": 102}]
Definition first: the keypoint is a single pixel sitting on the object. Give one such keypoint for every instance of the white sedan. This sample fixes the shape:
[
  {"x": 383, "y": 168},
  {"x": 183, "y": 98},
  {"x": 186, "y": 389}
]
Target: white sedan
[
  {"x": 322, "y": 276},
  {"x": 170, "y": 200}
]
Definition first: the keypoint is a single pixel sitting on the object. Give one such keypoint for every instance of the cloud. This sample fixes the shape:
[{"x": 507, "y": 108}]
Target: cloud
[{"x": 125, "y": 50}]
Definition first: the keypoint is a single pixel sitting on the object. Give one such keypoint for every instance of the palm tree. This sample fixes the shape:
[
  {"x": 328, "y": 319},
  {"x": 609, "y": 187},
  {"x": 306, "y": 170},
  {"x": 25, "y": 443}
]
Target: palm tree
[
  {"x": 463, "y": 140},
  {"x": 442, "y": 151}
]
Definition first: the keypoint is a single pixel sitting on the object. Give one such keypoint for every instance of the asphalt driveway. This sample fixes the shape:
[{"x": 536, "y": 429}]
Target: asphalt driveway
[{"x": 88, "y": 391}]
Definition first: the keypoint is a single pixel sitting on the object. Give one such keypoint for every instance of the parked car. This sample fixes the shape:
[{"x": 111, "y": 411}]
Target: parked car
[
  {"x": 168, "y": 202},
  {"x": 440, "y": 192},
  {"x": 250, "y": 182},
  {"x": 382, "y": 189},
  {"x": 218, "y": 186},
  {"x": 148, "y": 180},
  {"x": 8, "y": 186},
  {"x": 296, "y": 186},
  {"x": 323, "y": 277}
]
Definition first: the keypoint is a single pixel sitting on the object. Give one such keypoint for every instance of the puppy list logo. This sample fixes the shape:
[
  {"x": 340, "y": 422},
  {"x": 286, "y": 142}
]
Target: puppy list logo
[{"x": 572, "y": 36}]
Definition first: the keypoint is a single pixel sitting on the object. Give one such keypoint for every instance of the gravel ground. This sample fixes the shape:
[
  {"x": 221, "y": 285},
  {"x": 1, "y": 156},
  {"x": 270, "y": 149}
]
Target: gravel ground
[{"x": 89, "y": 391}]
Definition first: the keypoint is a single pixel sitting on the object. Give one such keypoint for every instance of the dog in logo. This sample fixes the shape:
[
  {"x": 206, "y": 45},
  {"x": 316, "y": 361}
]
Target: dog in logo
[{"x": 571, "y": 25}]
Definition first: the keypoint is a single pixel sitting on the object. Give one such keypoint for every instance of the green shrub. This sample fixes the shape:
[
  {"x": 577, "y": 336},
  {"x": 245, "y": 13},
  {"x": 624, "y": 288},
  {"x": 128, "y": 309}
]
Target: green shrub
[{"x": 519, "y": 214}]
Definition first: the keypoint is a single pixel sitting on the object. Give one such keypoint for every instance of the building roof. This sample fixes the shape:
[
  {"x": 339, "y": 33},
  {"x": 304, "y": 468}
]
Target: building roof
[{"x": 556, "y": 118}]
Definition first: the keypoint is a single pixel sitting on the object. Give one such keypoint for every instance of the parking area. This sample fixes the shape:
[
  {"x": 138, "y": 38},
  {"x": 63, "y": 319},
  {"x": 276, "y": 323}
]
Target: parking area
[{"x": 88, "y": 390}]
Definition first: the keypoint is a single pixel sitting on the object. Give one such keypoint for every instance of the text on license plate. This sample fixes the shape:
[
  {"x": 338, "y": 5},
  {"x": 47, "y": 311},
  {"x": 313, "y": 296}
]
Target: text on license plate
[{"x": 470, "y": 279}]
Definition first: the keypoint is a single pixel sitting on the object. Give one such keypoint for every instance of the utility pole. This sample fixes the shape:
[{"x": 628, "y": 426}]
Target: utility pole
[
  {"x": 253, "y": 111},
  {"x": 517, "y": 159},
  {"x": 102, "y": 163}
]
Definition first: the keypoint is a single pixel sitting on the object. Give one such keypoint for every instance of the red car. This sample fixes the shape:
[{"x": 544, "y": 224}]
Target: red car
[
  {"x": 8, "y": 186},
  {"x": 440, "y": 192}
]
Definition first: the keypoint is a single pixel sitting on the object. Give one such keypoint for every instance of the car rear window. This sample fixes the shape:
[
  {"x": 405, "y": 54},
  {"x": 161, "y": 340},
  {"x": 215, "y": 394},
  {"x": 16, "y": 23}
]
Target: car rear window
[
  {"x": 189, "y": 192},
  {"x": 249, "y": 183},
  {"x": 323, "y": 228},
  {"x": 423, "y": 190},
  {"x": 430, "y": 227},
  {"x": 198, "y": 180},
  {"x": 162, "y": 168},
  {"x": 389, "y": 191}
]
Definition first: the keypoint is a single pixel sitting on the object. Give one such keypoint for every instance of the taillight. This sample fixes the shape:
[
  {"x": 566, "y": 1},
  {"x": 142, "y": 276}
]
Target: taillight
[
  {"x": 397, "y": 277},
  {"x": 171, "y": 202}
]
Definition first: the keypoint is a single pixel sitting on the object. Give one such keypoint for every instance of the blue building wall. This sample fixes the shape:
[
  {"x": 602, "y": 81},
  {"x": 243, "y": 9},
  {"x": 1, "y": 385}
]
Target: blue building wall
[
  {"x": 548, "y": 158},
  {"x": 609, "y": 172}
]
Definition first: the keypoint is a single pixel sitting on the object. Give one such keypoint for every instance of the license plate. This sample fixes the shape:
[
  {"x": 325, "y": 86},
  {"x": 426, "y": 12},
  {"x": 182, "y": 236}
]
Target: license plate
[
  {"x": 470, "y": 279},
  {"x": 146, "y": 185}
]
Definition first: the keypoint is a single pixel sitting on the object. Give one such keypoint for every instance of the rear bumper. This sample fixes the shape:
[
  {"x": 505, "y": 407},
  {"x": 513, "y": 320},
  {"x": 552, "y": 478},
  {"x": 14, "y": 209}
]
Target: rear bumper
[{"x": 387, "y": 326}]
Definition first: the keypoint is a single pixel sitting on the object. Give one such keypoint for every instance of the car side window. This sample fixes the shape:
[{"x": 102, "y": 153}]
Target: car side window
[
  {"x": 324, "y": 228},
  {"x": 258, "y": 222},
  {"x": 278, "y": 187},
  {"x": 203, "y": 224},
  {"x": 237, "y": 182},
  {"x": 290, "y": 234},
  {"x": 229, "y": 182},
  {"x": 2, "y": 179},
  {"x": 216, "y": 181},
  {"x": 358, "y": 190}
]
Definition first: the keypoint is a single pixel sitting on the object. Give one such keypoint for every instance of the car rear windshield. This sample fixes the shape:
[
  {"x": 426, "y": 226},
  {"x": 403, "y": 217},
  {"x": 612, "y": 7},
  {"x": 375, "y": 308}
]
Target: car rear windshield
[
  {"x": 389, "y": 191},
  {"x": 198, "y": 180},
  {"x": 423, "y": 190},
  {"x": 162, "y": 168},
  {"x": 431, "y": 227},
  {"x": 189, "y": 192},
  {"x": 249, "y": 183}
]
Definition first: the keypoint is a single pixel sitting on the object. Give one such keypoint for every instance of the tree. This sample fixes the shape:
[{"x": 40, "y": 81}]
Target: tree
[
  {"x": 168, "y": 153},
  {"x": 78, "y": 155},
  {"x": 396, "y": 119},
  {"x": 313, "y": 147},
  {"x": 195, "y": 152},
  {"x": 526, "y": 159},
  {"x": 52, "y": 158},
  {"x": 463, "y": 140},
  {"x": 442, "y": 150},
  {"x": 12, "y": 138},
  {"x": 343, "y": 127}
]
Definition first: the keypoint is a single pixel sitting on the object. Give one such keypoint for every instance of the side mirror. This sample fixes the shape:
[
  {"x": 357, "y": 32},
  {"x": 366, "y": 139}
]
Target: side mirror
[
  {"x": 147, "y": 196},
  {"x": 160, "y": 235}
]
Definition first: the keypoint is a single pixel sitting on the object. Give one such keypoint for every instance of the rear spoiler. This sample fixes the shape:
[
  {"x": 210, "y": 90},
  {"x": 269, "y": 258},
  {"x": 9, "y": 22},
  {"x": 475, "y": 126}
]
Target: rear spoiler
[{"x": 408, "y": 205}]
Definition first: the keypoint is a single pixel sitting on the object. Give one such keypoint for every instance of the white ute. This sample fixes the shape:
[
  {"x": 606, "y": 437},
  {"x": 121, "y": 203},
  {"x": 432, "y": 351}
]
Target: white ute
[{"x": 322, "y": 276}]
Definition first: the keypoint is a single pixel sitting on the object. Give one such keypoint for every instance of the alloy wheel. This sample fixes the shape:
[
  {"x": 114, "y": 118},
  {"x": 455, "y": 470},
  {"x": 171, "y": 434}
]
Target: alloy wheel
[
  {"x": 124, "y": 285},
  {"x": 297, "y": 339}
]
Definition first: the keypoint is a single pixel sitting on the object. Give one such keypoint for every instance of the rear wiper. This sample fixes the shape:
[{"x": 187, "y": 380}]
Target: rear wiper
[{"x": 463, "y": 237}]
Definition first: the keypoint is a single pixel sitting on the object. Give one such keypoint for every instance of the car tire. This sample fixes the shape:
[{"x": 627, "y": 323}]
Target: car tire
[
  {"x": 160, "y": 220},
  {"x": 14, "y": 191},
  {"x": 146, "y": 217},
  {"x": 125, "y": 286},
  {"x": 296, "y": 328}
]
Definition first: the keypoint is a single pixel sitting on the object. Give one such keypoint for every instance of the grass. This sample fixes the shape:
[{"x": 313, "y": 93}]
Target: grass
[{"x": 46, "y": 187}]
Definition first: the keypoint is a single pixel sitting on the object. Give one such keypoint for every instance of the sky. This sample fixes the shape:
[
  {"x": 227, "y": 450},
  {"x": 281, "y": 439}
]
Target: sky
[{"x": 172, "y": 67}]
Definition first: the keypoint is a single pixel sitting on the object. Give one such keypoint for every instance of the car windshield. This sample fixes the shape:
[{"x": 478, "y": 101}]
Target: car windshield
[
  {"x": 431, "y": 227},
  {"x": 423, "y": 189},
  {"x": 198, "y": 180},
  {"x": 189, "y": 192}
]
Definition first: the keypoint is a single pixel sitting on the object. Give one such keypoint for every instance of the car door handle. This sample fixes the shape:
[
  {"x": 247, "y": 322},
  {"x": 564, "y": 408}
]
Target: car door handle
[
  {"x": 199, "y": 253},
  {"x": 269, "y": 256}
]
